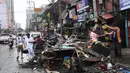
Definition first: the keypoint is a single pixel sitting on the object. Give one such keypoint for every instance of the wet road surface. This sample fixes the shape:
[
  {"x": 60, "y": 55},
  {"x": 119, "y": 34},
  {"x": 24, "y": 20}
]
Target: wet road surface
[
  {"x": 8, "y": 63},
  {"x": 5, "y": 51}
]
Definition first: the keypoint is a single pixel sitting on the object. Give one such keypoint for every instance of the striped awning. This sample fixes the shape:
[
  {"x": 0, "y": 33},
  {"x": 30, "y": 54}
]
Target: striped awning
[{"x": 107, "y": 16}]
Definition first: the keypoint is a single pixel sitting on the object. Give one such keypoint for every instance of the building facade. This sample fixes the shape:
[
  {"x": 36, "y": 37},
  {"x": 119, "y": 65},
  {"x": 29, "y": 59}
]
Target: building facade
[
  {"x": 7, "y": 14},
  {"x": 84, "y": 12},
  {"x": 10, "y": 12},
  {"x": 17, "y": 25},
  {"x": 29, "y": 16},
  {"x": 3, "y": 15}
]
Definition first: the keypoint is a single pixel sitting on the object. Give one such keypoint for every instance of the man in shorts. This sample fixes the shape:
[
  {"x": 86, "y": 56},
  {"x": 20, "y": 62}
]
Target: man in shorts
[{"x": 19, "y": 46}]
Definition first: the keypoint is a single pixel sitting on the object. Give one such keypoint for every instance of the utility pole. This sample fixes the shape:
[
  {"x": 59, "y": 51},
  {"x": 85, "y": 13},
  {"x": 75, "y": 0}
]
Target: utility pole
[
  {"x": 29, "y": 15},
  {"x": 53, "y": 1},
  {"x": 95, "y": 9},
  {"x": 60, "y": 18}
]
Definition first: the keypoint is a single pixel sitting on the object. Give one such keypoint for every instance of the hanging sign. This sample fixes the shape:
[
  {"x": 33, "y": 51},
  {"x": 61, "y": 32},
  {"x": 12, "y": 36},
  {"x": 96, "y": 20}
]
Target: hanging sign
[{"x": 124, "y": 4}]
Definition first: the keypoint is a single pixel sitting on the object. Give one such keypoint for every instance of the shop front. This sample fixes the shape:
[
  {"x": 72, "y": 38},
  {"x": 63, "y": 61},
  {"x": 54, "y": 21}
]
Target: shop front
[
  {"x": 125, "y": 7},
  {"x": 82, "y": 14},
  {"x": 129, "y": 29}
]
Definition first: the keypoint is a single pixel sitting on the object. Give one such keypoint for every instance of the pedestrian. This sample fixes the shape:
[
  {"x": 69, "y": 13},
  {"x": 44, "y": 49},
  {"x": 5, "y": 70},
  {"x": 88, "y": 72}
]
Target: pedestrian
[
  {"x": 117, "y": 40},
  {"x": 19, "y": 46},
  {"x": 98, "y": 29},
  {"x": 29, "y": 45},
  {"x": 93, "y": 37},
  {"x": 38, "y": 42}
]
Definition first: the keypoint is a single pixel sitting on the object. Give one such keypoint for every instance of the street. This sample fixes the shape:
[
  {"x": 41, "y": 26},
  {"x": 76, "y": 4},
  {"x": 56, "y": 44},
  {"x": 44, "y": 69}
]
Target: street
[
  {"x": 4, "y": 54},
  {"x": 67, "y": 36},
  {"x": 8, "y": 63}
]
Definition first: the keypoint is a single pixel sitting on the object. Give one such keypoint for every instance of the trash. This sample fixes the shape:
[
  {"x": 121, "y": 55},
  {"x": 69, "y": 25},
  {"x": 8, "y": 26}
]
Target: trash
[
  {"x": 102, "y": 66},
  {"x": 109, "y": 66}
]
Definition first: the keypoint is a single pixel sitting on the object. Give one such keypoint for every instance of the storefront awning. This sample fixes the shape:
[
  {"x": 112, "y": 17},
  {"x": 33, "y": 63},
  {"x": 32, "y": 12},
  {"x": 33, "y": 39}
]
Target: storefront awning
[{"x": 107, "y": 16}]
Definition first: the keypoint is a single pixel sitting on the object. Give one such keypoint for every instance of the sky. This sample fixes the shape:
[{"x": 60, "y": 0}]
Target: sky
[{"x": 20, "y": 7}]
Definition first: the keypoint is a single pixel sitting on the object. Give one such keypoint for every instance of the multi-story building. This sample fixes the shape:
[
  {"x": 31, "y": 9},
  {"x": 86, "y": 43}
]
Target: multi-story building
[
  {"x": 3, "y": 15},
  {"x": 17, "y": 25},
  {"x": 6, "y": 14},
  {"x": 10, "y": 12},
  {"x": 29, "y": 13}
]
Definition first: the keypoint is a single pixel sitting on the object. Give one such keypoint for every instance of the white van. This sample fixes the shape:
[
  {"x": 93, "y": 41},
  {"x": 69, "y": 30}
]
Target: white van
[{"x": 35, "y": 34}]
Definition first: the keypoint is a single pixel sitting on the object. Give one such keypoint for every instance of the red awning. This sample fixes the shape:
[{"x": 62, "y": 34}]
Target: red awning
[{"x": 107, "y": 16}]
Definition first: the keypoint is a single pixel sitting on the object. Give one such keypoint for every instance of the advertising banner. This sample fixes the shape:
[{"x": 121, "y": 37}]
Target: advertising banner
[{"x": 124, "y": 4}]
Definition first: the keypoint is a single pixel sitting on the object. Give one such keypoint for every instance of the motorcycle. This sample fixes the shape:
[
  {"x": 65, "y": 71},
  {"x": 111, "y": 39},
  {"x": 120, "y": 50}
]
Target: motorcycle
[{"x": 11, "y": 43}]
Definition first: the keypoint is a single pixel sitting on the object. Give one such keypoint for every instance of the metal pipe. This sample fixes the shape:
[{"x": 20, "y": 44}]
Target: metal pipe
[{"x": 59, "y": 17}]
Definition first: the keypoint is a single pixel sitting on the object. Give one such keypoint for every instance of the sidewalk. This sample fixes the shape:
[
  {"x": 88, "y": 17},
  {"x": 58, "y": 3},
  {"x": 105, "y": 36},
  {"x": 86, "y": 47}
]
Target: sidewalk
[
  {"x": 125, "y": 56},
  {"x": 12, "y": 66}
]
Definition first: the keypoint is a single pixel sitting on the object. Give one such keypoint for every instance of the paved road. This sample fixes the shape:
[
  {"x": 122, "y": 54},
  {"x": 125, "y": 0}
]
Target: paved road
[
  {"x": 8, "y": 63},
  {"x": 4, "y": 54}
]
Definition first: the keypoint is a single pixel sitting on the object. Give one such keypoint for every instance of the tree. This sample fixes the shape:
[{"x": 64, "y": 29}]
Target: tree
[{"x": 54, "y": 11}]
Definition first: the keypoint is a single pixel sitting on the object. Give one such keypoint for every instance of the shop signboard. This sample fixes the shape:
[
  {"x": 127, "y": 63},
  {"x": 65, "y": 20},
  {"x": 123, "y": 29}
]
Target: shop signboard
[
  {"x": 81, "y": 17},
  {"x": 91, "y": 16},
  {"x": 37, "y": 9},
  {"x": 124, "y": 4},
  {"x": 81, "y": 5}
]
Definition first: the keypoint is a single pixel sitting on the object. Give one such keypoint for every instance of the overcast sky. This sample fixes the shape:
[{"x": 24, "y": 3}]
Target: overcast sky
[{"x": 20, "y": 7}]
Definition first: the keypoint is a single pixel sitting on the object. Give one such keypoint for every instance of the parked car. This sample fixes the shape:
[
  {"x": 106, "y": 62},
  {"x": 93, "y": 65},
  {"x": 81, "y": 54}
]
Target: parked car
[
  {"x": 14, "y": 36},
  {"x": 35, "y": 34},
  {"x": 4, "y": 37}
]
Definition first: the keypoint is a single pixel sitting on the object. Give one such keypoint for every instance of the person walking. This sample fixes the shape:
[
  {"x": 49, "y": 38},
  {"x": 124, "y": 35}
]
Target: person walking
[
  {"x": 29, "y": 45},
  {"x": 19, "y": 44}
]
